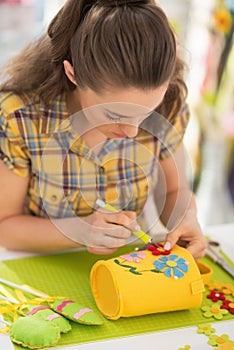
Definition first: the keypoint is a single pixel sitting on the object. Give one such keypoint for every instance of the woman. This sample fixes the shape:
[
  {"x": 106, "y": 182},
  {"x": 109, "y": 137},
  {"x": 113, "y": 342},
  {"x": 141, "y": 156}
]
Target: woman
[{"x": 95, "y": 109}]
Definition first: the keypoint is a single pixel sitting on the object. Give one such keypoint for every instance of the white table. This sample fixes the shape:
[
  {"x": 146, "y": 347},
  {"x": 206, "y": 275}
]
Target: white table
[{"x": 166, "y": 340}]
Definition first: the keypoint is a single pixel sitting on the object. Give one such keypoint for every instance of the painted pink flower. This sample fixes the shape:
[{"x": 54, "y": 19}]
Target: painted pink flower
[{"x": 135, "y": 256}]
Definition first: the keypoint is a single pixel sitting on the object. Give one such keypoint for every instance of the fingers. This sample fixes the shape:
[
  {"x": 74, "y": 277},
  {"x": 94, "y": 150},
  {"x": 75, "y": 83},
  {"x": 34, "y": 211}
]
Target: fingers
[
  {"x": 198, "y": 247},
  {"x": 108, "y": 231},
  {"x": 103, "y": 220},
  {"x": 106, "y": 235},
  {"x": 101, "y": 251},
  {"x": 193, "y": 240},
  {"x": 123, "y": 218},
  {"x": 171, "y": 239},
  {"x": 102, "y": 239}
]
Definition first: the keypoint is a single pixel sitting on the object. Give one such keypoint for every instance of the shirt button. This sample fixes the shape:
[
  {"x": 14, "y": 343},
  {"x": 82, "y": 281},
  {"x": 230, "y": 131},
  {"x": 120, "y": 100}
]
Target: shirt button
[
  {"x": 54, "y": 198},
  {"x": 101, "y": 170}
]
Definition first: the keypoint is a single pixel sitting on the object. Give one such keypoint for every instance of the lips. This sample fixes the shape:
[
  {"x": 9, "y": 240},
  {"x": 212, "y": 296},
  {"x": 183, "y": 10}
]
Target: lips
[{"x": 119, "y": 135}]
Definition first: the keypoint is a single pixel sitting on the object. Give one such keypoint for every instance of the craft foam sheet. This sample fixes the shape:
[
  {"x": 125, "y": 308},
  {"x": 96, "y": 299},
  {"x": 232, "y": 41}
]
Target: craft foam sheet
[{"x": 69, "y": 275}]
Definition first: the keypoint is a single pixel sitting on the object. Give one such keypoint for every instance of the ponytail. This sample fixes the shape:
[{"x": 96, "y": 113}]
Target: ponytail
[{"x": 64, "y": 25}]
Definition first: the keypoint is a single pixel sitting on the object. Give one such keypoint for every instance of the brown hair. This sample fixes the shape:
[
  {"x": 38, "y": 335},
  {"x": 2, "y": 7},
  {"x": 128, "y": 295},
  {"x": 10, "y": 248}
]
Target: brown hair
[{"x": 119, "y": 43}]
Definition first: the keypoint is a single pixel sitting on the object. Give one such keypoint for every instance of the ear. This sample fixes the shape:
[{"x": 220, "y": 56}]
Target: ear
[{"x": 69, "y": 70}]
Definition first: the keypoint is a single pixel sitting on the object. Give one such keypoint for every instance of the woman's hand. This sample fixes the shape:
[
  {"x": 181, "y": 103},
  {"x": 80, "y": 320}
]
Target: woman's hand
[
  {"x": 105, "y": 232},
  {"x": 188, "y": 234}
]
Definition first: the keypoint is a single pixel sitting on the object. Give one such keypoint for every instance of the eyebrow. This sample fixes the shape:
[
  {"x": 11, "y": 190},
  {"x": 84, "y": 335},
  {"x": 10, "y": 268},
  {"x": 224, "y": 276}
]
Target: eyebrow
[{"x": 124, "y": 116}]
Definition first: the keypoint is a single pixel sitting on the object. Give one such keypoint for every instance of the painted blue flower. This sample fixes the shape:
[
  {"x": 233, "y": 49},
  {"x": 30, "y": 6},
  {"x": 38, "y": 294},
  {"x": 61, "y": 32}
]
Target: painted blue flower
[{"x": 172, "y": 266}]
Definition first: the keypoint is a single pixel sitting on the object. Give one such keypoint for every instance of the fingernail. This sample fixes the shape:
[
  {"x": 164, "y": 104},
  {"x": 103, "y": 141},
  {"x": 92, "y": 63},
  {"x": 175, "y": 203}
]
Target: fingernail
[
  {"x": 167, "y": 246},
  {"x": 137, "y": 227}
]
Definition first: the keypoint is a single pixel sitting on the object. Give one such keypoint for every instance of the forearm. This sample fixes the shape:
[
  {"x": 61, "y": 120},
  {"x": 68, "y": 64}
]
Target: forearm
[
  {"x": 173, "y": 207},
  {"x": 177, "y": 208},
  {"x": 29, "y": 233}
]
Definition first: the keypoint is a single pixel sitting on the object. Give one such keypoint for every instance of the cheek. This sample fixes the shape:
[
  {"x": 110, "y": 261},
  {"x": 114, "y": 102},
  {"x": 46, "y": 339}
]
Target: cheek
[
  {"x": 108, "y": 127},
  {"x": 91, "y": 118}
]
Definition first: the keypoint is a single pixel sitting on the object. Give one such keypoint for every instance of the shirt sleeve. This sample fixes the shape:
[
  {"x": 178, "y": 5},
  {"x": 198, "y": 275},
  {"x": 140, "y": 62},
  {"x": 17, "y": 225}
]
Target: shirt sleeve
[
  {"x": 174, "y": 136},
  {"x": 13, "y": 151}
]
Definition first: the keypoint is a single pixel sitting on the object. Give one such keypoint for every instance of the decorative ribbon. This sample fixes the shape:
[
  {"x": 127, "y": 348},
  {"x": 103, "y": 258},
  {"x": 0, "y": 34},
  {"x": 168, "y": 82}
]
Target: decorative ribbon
[
  {"x": 36, "y": 309},
  {"x": 52, "y": 317},
  {"x": 81, "y": 313},
  {"x": 63, "y": 304}
]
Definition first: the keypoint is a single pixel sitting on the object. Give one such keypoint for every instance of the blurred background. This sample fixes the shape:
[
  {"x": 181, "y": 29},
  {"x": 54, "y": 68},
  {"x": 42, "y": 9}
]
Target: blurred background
[{"x": 205, "y": 35}]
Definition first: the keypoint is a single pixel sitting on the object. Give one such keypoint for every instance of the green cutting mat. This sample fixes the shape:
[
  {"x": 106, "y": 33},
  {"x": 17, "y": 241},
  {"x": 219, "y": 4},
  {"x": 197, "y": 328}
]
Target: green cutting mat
[{"x": 68, "y": 275}]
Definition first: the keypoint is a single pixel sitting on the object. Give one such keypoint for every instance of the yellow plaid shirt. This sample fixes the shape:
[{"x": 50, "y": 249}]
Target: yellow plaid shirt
[{"x": 65, "y": 177}]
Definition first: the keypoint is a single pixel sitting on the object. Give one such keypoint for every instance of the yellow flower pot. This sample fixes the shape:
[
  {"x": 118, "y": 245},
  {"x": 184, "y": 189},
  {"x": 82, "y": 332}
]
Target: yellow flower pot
[{"x": 141, "y": 283}]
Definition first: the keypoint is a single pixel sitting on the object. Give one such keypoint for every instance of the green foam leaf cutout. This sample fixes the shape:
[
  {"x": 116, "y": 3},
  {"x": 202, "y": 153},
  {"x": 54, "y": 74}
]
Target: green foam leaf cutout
[
  {"x": 34, "y": 332},
  {"x": 76, "y": 312}
]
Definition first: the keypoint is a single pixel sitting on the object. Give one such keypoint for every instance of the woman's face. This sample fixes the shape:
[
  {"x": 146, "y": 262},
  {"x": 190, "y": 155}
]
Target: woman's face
[{"x": 117, "y": 113}]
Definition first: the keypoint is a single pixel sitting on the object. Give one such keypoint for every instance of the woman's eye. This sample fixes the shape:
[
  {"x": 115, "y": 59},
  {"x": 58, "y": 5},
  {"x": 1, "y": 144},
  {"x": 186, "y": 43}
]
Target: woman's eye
[{"x": 113, "y": 119}]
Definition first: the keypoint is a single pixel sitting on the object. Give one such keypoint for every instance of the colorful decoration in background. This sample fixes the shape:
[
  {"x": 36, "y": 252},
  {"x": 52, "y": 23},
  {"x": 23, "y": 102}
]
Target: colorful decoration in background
[
  {"x": 205, "y": 329},
  {"x": 221, "y": 342},
  {"x": 216, "y": 292},
  {"x": 187, "y": 347},
  {"x": 216, "y": 285},
  {"x": 219, "y": 307},
  {"x": 215, "y": 296},
  {"x": 225, "y": 346},
  {"x": 213, "y": 311},
  {"x": 222, "y": 20},
  {"x": 228, "y": 289},
  {"x": 221, "y": 28},
  {"x": 216, "y": 340},
  {"x": 228, "y": 305},
  {"x": 214, "y": 106},
  {"x": 223, "y": 294}
]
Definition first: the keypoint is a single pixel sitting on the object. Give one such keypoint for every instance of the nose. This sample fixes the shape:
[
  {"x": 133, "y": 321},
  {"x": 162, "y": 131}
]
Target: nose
[{"x": 129, "y": 130}]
